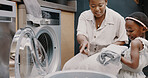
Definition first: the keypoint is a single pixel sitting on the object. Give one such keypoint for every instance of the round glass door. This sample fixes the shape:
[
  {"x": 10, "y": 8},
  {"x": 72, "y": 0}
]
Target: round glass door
[{"x": 31, "y": 60}]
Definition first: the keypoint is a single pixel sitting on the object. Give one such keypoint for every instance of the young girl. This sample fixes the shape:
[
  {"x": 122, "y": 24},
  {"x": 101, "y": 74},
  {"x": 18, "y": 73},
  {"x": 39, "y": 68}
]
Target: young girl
[{"x": 136, "y": 57}]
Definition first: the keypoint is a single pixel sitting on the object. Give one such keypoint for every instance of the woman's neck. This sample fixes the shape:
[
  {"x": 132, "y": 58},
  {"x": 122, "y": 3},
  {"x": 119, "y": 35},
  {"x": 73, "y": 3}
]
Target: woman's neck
[{"x": 99, "y": 20}]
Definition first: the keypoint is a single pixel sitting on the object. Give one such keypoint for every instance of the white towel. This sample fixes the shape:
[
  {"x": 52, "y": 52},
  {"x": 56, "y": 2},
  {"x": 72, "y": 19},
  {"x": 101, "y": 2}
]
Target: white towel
[{"x": 111, "y": 54}]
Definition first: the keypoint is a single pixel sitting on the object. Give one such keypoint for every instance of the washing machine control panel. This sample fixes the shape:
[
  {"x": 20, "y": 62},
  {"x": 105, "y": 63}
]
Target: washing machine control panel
[
  {"x": 7, "y": 11},
  {"x": 51, "y": 17}
]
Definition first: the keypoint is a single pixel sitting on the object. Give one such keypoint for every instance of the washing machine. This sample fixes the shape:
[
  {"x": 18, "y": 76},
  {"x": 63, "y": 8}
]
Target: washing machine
[
  {"x": 7, "y": 30},
  {"x": 37, "y": 47}
]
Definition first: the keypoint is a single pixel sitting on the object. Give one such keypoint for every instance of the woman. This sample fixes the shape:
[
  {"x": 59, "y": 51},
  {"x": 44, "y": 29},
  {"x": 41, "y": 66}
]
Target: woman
[{"x": 97, "y": 28}]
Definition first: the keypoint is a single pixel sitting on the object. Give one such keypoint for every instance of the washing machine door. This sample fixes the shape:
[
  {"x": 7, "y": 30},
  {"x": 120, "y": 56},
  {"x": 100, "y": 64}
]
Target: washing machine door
[
  {"x": 31, "y": 60},
  {"x": 49, "y": 37}
]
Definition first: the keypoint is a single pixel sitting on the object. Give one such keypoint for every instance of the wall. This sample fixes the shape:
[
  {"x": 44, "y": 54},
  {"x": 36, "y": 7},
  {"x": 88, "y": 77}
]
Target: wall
[
  {"x": 124, "y": 7},
  {"x": 81, "y": 6},
  {"x": 67, "y": 36}
]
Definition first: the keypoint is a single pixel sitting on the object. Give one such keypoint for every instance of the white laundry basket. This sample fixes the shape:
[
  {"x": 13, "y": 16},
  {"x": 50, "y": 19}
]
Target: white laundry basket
[{"x": 79, "y": 74}]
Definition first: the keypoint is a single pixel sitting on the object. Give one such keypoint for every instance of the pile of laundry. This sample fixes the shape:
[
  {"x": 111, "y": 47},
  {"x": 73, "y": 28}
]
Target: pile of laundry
[{"x": 106, "y": 61}]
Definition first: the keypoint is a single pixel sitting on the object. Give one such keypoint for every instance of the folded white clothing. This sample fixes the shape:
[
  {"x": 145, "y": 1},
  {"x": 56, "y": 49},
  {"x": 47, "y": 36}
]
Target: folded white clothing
[{"x": 111, "y": 54}]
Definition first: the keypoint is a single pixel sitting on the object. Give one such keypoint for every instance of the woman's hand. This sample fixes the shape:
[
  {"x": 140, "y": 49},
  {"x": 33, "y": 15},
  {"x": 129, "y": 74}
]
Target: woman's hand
[
  {"x": 84, "y": 47},
  {"x": 84, "y": 44}
]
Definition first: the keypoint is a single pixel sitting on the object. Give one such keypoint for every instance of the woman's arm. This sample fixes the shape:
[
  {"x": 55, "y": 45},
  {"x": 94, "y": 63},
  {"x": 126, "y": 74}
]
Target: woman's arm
[
  {"x": 82, "y": 40},
  {"x": 119, "y": 42},
  {"x": 135, "y": 48}
]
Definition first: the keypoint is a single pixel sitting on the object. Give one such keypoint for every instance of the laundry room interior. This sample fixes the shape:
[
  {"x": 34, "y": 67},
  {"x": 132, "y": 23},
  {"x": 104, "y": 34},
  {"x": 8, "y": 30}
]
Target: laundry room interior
[{"x": 39, "y": 36}]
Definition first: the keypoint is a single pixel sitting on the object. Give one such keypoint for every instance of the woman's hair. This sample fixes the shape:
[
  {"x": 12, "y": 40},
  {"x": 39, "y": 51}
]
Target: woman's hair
[{"x": 140, "y": 18}]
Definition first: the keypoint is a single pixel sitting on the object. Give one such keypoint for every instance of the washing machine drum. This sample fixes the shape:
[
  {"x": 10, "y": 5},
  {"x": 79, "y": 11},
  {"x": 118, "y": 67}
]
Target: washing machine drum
[{"x": 36, "y": 55}]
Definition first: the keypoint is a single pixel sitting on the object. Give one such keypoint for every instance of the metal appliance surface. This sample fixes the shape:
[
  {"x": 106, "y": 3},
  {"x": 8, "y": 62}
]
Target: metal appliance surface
[
  {"x": 38, "y": 48},
  {"x": 7, "y": 30}
]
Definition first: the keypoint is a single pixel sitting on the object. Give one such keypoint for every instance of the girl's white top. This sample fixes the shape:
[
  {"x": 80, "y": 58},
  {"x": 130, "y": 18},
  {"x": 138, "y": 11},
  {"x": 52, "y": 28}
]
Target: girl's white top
[{"x": 127, "y": 72}]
